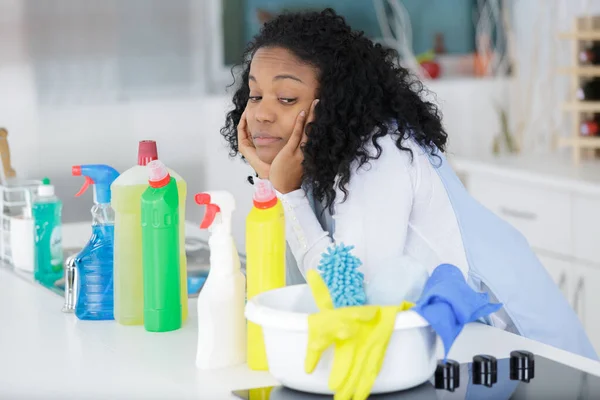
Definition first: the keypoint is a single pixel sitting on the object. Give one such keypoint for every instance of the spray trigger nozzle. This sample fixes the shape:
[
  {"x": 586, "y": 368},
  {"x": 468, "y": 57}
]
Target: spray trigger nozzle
[
  {"x": 211, "y": 209},
  {"x": 99, "y": 175},
  {"x": 76, "y": 171},
  {"x": 86, "y": 184}
]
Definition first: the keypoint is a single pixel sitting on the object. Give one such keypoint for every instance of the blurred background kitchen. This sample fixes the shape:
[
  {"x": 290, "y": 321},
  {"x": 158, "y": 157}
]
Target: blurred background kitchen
[{"x": 82, "y": 81}]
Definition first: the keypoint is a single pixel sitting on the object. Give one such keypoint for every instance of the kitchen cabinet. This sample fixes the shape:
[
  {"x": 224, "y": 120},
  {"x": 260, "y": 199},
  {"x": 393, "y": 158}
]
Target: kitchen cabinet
[
  {"x": 560, "y": 271},
  {"x": 580, "y": 284},
  {"x": 586, "y": 223},
  {"x": 557, "y": 208},
  {"x": 585, "y": 287},
  {"x": 541, "y": 214}
]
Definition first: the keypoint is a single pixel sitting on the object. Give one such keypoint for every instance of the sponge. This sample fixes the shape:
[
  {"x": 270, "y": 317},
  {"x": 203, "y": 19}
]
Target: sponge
[
  {"x": 395, "y": 280},
  {"x": 339, "y": 270}
]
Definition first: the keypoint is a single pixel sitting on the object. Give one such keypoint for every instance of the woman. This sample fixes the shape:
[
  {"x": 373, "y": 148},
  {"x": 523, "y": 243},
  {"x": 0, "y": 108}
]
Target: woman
[{"x": 356, "y": 154}]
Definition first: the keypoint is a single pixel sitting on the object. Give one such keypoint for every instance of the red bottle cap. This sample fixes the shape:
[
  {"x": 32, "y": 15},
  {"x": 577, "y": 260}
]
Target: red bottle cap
[
  {"x": 264, "y": 194},
  {"x": 158, "y": 175},
  {"x": 147, "y": 152}
]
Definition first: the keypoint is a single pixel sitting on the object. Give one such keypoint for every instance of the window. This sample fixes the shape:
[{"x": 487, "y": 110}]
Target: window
[{"x": 88, "y": 51}]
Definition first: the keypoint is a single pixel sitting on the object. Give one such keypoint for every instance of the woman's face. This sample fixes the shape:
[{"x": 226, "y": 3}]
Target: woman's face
[{"x": 280, "y": 87}]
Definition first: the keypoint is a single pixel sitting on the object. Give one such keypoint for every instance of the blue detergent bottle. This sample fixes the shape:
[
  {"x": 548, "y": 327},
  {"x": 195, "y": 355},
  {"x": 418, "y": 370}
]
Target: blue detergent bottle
[{"x": 94, "y": 263}]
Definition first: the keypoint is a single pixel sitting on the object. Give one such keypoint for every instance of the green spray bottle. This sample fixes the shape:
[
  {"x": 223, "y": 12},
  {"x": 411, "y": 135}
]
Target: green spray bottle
[{"x": 160, "y": 251}]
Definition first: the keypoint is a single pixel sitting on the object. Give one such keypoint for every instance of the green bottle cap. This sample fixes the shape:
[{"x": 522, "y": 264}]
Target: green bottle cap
[{"x": 46, "y": 181}]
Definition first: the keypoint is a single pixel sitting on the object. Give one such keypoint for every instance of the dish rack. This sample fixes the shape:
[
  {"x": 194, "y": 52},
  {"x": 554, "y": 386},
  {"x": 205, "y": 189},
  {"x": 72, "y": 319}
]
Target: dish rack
[
  {"x": 15, "y": 197},
  {"x": 586, "y": 29}
]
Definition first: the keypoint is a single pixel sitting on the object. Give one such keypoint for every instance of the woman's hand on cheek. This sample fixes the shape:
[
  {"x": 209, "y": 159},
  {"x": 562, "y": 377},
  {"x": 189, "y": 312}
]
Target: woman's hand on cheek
[
  {"x": 286, "y": 169},
  {"x": 246, "y": 147}
]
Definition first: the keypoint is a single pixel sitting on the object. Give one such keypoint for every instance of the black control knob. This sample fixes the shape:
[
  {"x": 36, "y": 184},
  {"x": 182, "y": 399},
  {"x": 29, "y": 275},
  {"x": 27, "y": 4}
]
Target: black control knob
[
  {"x": 485, "y": 370},
  {"x": 522, "y": 366},
  {"x": 447, "y": 375}
]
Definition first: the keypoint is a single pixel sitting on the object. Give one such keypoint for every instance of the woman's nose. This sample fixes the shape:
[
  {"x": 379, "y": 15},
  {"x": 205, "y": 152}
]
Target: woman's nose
[{"x": 264, "y": 112}]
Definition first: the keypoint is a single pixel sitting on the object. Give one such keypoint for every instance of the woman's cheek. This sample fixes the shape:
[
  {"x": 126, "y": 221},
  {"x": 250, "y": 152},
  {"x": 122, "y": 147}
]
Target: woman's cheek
[
  {"x": 249, "y": 119},
  {"x": 289, "y": 126}
]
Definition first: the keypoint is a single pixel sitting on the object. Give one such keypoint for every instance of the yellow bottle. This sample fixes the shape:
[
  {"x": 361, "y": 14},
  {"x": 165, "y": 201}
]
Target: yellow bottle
[
  {"x": 265, "y": 260},
  {"x": 127, "y": 192},
  {"x": 263, "y": 393}
]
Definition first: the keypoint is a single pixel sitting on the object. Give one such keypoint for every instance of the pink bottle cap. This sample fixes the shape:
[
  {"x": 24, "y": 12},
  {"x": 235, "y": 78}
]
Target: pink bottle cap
[
  {"x": 158, "y": 176},
  {"x": 147, "y": 152},
  {"x": 264, "y": 194}
]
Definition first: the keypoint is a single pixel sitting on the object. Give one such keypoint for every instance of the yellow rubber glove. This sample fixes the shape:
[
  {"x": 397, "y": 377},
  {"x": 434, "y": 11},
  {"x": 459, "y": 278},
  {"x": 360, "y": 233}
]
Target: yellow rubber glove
[{"x": 360, "y": 336}]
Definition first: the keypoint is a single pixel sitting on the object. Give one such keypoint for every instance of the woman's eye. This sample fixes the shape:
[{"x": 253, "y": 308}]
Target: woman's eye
[
  {"x": 254, "y": 99},
  {"x": 286, "y": 100}
]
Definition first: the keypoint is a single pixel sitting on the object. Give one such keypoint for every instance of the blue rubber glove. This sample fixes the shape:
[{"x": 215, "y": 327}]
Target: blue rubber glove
[{"x": 448, "y": 303}]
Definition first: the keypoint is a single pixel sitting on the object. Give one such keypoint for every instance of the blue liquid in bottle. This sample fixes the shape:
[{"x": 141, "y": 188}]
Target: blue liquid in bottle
[
  {"x": 94, "y": 263},
  {"x": 46, "y": 212},
  {"x": 95, "y": 299}
]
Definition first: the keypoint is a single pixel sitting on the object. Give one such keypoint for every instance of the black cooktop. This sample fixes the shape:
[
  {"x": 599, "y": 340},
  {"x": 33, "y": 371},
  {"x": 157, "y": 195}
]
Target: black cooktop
[{"x": 522, "y": 376}]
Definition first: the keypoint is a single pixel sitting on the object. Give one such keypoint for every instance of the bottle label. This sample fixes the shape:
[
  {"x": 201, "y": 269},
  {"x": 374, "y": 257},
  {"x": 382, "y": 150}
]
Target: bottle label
[{"x": 56, "y": 255}]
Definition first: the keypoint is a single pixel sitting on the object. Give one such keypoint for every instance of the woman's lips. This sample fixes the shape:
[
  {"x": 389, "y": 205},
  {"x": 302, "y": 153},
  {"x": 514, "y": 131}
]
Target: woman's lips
[{"x": 265, "y": 140}]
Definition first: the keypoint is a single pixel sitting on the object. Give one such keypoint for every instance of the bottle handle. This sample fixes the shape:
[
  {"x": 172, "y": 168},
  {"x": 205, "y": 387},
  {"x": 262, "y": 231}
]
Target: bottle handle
[{"x": 71, "y": 282}]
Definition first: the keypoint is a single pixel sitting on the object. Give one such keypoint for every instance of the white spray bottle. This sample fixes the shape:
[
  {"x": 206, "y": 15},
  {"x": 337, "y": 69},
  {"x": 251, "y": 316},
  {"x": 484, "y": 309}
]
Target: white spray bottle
[{"x": 221, "y": 302}]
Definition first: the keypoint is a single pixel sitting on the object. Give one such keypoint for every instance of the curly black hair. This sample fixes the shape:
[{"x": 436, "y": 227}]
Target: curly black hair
[{"x": 362, "y": 88}]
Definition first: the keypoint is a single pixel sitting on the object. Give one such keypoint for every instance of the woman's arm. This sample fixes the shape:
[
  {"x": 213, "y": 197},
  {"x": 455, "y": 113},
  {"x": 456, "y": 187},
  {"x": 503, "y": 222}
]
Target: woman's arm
[{"x": 374, "y": 218}]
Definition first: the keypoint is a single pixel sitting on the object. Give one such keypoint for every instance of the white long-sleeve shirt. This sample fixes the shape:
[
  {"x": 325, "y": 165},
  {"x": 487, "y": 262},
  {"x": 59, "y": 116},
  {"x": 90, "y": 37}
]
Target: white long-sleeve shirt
[{"x": 396, "y": 205}]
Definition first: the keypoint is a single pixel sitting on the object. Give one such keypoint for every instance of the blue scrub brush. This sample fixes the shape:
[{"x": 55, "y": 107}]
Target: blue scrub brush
[{"x": 339, "y": 270}]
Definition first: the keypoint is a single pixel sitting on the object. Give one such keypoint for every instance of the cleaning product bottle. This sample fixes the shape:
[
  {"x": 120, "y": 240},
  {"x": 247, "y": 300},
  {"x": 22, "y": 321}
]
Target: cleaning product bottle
[
  {"x": 265, "y": 259},
  {"x": 94, "y": 263},
  {"x": 221, "y": 302},
  {"x": 160, "y": 251},
  {"x": 127, "y": 192},
  {"x": 47, "y": 213}
]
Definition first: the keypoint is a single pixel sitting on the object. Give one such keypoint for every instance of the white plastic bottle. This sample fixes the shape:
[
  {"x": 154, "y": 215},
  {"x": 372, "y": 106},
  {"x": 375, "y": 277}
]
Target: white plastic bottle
[{"x": 221, "y": 302}]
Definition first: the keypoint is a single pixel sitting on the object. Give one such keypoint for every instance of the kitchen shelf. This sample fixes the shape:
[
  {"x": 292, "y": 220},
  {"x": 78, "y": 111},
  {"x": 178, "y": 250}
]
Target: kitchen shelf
[
  {"x": 585, "y": 70},
  {"x": 586, "y": 29},
  {"x": 582, "y": 106},
  {"x": 591, "y": 35},
  {"x": 582, "y": 142}
]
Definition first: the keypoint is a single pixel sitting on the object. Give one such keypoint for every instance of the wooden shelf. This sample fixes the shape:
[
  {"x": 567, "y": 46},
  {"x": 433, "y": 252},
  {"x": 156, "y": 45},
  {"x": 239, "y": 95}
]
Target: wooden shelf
[
  {"x": 587, "y": 70},
  {"x": 582, "y": 106},
  {"x": 585, "y": 29},
  {"x": 583, "y": 142},
  {"x": 591, "y": 35}
]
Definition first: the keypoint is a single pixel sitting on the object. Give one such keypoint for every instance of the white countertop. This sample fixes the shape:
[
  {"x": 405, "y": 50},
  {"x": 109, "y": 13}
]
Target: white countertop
[
  {"x": 553, "y": 169},
  {"x": 46, "y": 352}
]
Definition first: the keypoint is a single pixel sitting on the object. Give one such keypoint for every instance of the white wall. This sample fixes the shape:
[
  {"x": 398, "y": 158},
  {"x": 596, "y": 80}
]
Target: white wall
[
  {"x": 470, "y": 111},
  {"x": 49, "y": 140}
]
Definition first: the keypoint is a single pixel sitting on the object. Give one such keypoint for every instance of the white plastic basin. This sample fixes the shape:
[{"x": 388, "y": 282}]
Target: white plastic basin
[{"x": 410, "y": 359}]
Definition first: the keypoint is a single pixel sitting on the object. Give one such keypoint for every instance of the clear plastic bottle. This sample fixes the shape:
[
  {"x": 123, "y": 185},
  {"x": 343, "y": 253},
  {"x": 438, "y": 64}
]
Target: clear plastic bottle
[
  {"x": 127, "y": 192},
  {"x": 94, "y": 263},
  {"x": 47, "y": 215}
]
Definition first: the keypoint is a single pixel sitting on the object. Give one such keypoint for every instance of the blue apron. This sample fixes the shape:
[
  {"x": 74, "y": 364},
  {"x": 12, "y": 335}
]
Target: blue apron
[{"x": 502, "y": 263}]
